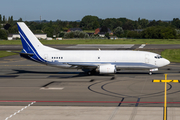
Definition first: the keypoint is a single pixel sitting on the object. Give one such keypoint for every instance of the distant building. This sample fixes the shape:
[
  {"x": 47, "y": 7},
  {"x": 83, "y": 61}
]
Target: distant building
[
  {"x": 74, "y": 29},
  {"x": 59, "y": 38},
  {"x": 49, "y": 38},
  {"x": 17, "y": 36},
  {"x": 113, "y": 37},
  {"x": 13, "y": 36},
  {"x": 41, "y": 36},
  {"x": 102, "y": 34}
]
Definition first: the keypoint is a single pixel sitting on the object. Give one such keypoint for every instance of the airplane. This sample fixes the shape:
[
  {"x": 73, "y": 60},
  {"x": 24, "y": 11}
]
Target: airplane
[{"x": 90, "y": 61}]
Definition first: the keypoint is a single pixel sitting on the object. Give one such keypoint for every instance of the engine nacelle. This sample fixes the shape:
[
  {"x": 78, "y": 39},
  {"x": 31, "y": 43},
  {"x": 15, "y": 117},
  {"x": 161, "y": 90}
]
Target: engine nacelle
[{"x": 105, "y": 69}]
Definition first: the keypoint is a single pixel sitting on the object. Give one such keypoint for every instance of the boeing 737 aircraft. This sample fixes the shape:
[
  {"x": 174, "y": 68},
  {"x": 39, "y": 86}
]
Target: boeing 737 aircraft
[{"x": 102, "y": 61}]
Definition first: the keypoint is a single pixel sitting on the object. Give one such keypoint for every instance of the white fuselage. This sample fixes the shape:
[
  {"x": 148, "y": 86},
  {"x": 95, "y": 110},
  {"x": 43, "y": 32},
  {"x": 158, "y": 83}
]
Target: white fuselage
[{"x": 119, "y": 58}]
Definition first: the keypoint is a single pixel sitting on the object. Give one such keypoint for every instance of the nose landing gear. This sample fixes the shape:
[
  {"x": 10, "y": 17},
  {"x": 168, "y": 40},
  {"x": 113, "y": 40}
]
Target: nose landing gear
[
  {"x": 150, "y": 73},
  {"x": 152, "y": 70}
]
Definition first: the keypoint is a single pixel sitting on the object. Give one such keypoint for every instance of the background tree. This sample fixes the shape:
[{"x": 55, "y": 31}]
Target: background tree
[
  {"x": 104, "y": 29},
  {"x": 143, "y": 23},
  {"x": 118, "y": 31},
  {"x": 159, "y": 32},
  {"x": 3, "y": 34},
  {"x": 20, "y": 20},
  {"x": 0, "y": 18},
  {"x": 129, "y": 25},
  {"x": 4, "y": 19},
  {"x": 176, "y": 23},
  {"x": 88, "y": 21},
  {"x": 7, "y": 26},
  {"x": 133, "y": 34},
  {"x": 76, "y": 34}
]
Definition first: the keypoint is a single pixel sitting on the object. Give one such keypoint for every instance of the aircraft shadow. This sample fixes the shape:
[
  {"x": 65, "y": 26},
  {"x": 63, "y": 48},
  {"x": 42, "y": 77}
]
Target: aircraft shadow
[{"x": 138, "y": 73}]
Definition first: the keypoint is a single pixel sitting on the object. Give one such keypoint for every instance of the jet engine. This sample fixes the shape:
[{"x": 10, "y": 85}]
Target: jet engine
[{"x": 106, "y": 69}]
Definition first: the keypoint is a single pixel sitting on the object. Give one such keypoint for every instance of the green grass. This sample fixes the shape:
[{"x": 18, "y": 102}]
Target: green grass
[
  {"x": 89, "y": 31},
  {"x": 5, "y": 54},
  {"x": 172, "y": 55},
  {"x": 98, "y": 41}
]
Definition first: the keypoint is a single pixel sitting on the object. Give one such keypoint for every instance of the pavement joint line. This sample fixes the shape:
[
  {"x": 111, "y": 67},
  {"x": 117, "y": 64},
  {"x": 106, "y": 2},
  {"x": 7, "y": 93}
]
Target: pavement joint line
[
  {"x": 20, "y": 110},
  {"x": 115, "y": 111},
  {"x": 23, "y": 101},
  {"x": 133, "y": 114}
]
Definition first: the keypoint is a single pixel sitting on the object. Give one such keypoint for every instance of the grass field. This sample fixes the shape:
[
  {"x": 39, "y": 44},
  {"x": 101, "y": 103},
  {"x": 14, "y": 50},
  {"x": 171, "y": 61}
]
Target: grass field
[
  {"x": 172, "y": 55},
  {"x": 98, "y": 41},
  {"x": 5, "y": 53}
]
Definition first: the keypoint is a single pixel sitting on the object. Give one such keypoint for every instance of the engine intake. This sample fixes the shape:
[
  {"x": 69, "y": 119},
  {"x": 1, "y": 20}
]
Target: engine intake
[{"x": 105, "y": 69}]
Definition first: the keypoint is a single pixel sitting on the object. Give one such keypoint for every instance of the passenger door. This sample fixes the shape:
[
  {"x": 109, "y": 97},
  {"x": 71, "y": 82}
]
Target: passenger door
[{"x": 147, "y": 58}]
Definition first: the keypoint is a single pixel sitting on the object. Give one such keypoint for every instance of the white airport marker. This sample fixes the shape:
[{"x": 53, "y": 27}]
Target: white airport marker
[
  {"x": 20, "y": 110},
  {"x": 142, "y": 46},
  {"x": 51, "y": 88}
]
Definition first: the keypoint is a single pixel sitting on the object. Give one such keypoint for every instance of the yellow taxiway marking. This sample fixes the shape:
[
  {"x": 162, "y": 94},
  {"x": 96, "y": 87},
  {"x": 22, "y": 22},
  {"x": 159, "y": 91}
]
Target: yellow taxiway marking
[
  {"x": 165, "y": 93},
  {"x": 176, "y": 81}
]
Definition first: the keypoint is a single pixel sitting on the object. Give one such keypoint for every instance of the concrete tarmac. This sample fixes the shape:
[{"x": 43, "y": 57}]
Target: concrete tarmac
[{"x": 34, "y": 91}]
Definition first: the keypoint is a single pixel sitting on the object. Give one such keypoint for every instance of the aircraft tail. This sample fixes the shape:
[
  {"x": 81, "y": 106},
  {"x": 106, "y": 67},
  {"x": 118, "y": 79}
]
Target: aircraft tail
[{"x": 29, "y": 41}]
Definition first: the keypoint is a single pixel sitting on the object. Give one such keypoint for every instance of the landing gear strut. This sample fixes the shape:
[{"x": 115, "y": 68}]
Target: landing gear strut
[
  {"x": 89, "y": 73},
  {"x": 92, "y": 72}
]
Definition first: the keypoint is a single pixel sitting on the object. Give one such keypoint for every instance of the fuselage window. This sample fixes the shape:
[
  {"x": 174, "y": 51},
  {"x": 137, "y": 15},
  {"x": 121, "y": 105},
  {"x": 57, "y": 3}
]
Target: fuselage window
[
  {"x": 52, "y": 57},
  {"x": 98, "y": 57},
  {"x": 61, "y": 57}
]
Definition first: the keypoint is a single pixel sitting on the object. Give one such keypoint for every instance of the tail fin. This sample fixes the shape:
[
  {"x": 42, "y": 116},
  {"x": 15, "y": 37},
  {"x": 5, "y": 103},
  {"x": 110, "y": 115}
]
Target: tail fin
[{"x": 29, "y": 41}]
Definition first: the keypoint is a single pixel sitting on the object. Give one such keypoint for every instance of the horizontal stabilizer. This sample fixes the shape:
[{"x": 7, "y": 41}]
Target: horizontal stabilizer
[{"x": 31, "y": 54}]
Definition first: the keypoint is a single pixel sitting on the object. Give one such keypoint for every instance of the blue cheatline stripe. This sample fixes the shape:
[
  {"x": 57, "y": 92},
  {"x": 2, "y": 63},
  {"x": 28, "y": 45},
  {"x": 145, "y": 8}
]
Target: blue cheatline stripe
[
  {"x": 24, "y": 37},
  {"x": 35, "y": 57}
]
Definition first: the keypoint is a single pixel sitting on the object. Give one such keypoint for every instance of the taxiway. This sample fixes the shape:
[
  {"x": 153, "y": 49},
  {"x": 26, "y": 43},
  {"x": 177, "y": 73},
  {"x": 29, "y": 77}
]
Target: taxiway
[{"x": 72, "y": 94}]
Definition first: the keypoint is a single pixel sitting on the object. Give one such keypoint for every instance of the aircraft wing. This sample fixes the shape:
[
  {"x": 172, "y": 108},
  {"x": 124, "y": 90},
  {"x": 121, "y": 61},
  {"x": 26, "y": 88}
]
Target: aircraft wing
[{"x": 84, "y": 65}]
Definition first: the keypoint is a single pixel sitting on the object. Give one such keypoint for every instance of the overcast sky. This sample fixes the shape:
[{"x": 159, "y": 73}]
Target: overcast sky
[{"x": 76, "y": 9}]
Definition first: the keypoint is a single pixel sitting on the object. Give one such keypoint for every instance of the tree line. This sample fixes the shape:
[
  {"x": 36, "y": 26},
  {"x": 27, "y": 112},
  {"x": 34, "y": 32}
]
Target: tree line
[{"x": 122, "y": 27}]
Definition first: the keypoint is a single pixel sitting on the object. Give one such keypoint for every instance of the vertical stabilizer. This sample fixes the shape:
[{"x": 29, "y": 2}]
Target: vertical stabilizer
[{"x": 29, "y": 41}]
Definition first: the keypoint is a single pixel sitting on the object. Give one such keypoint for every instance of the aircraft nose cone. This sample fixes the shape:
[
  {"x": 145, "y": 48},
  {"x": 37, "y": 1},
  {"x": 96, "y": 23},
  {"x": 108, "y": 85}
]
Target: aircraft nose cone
[{"x": 167, "y": 62}]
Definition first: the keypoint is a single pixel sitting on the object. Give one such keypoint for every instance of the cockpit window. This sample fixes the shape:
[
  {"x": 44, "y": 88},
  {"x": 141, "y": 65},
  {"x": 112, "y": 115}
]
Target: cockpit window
[{"x": 158, "y": 56}]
